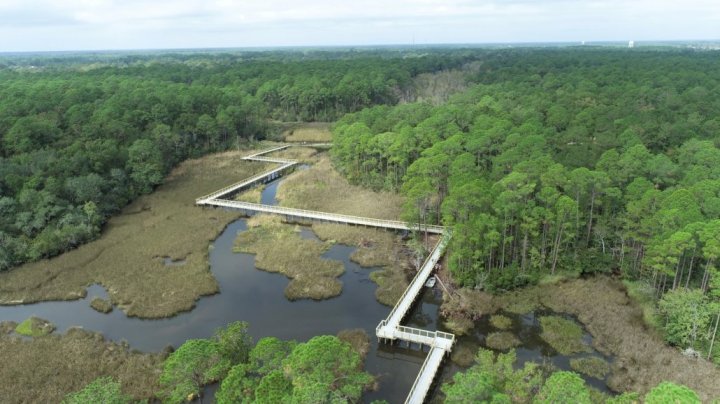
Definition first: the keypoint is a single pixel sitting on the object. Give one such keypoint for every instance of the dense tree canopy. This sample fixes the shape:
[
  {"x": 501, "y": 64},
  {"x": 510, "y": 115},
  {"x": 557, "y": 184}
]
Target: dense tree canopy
[
  {"x": 82, "y": 135},
  {"x": 577, "y": 161}
]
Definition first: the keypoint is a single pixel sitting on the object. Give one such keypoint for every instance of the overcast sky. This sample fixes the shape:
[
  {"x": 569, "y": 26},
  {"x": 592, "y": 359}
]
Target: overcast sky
[{"x": 32, "y": 25}]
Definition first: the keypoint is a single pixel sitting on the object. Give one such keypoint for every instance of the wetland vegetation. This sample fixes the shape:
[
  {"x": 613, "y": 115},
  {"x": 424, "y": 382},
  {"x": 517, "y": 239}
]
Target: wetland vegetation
[
  {"x": 581, "y": 186},
  {"x": 280, "y": 248}
]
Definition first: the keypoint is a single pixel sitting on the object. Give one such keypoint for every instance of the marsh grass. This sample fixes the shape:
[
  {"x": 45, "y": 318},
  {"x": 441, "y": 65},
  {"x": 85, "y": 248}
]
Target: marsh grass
[
  {"x": 305, "y": 155},
  {"x": 502, "y": 340},
  {"x": 500, "y": 322},
  {"x": 165, "y": 223},
  {"x": 101, "y": 305},
  {"x": 375, "y": 248},
  {"x": 50, "y": 367},
  {"x": 252, "y": 195},
  {"x": 7, "y": 327},
  {"x": 321, "y": 188},
  {"x": 35, "y": 327},
  {"x": 279, "y": 248},
  {"x": 643, "y": 294},
  {"x": 592, "y": 366},
  {"x": 565, "y": 336},
  {"x": 641, "y": 358},
  {"x": 309, "y": 132},
  {"x": 464, "y": 307},
  {"x": 463, "y": 353},
  {"x": 358, "y": 339}
]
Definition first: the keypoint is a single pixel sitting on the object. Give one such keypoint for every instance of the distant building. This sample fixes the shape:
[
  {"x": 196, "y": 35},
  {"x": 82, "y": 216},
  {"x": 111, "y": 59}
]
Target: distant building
[{"x": 631, "y": 44}]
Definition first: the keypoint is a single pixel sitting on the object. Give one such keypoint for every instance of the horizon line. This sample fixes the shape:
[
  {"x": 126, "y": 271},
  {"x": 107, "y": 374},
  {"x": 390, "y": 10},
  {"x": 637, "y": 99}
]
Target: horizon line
[{"x": 371, "y": 46}]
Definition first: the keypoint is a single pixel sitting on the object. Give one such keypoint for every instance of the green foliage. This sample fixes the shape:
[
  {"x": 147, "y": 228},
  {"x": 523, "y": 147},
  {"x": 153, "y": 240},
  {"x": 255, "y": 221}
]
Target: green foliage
[
  {"x": 624, "y": 398},
  {"x": 670, "y": 393},
  {"x": 564, "y": 387},
  {"x": 234, "y": 342},
  {"x": 103, "y": 390},
  {"x": 237, "y": 386},
  {"x": 494, "y": 380},
  {"x": 197, "y": 362},
  {"x": 687, "y": 315},
  {"x": 561, "y": 161},
  {"x": 77, "y": 130},
  {"x": 324, "y": 369}
]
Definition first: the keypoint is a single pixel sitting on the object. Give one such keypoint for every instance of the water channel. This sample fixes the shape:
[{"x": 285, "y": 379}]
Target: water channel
[{"x": 257, "y": 297}]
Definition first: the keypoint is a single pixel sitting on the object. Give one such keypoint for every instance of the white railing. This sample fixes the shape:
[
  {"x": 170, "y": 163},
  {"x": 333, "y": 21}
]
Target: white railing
[
  {"x": 310, "y": 214},
  {"x": 416, "y": 278},
  {"x": 222, "y": 191}
]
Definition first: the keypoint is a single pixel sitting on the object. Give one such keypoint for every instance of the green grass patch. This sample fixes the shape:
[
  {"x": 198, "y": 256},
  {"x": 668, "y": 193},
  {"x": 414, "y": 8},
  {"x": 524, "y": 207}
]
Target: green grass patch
[
  {"x": 35, "y": 327},
  {"x": 500, "y": 322},
  {"x": 565, "y": 336},
  {"x": 502, "y": 340},
  {"x": 101, "y": 305},
  {"x": 592, "y": 366},
  {"x": 279, "y": 248}
]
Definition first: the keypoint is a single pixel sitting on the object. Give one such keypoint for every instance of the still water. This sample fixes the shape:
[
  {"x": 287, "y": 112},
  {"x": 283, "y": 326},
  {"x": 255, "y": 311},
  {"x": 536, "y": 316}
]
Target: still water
[{"x": 255, "y": 296}]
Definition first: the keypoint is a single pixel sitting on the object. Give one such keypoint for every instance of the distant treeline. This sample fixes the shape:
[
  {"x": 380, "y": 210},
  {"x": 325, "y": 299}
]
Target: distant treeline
[
  {"x": 578, "y": 161},
  {"x": 82, "y": 136}
]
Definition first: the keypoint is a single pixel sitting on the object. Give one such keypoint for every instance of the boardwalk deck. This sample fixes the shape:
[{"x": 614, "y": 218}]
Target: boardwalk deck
[
  {"x": 440, "y": 343},
  {"x": 425, "y": 377},
  {"x": 408, "y": 297},
  {"x": 314, "y": 215}
]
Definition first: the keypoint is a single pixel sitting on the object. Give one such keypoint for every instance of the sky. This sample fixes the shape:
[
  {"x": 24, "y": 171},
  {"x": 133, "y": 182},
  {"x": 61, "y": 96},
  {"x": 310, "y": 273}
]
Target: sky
[{"x": 52, "y": 25}]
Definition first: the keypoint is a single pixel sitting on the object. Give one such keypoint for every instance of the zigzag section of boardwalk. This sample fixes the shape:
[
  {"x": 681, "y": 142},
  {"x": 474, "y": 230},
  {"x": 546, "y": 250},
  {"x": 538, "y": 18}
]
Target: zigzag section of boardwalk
[{"x": 389, "y": 329}]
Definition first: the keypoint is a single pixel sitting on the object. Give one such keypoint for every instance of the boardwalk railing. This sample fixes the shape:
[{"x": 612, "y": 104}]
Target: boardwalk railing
[
  {"x": 416, "y": 279},
  {"x": 238, "y": 185},
  {"x": 314, "y": 215}
]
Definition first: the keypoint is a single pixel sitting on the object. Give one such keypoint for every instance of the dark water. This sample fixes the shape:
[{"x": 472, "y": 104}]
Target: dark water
[{"x": 257, "y": 297}]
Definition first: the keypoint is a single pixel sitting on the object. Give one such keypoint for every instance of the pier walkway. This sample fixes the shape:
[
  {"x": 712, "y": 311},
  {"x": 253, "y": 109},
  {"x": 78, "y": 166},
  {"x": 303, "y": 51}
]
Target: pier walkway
[{"x": 389, "y": 329}]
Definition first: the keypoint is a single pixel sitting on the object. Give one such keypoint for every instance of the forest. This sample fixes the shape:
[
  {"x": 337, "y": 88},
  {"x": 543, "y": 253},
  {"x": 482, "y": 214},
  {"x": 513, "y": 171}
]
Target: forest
[
  {"x": 82, "y": 135},
  {"x": 566, "y": 163}
]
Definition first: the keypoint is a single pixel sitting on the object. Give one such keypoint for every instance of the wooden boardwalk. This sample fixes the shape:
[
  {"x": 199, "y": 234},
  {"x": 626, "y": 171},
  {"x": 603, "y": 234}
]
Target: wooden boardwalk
[{"x": 389, "y": 329}]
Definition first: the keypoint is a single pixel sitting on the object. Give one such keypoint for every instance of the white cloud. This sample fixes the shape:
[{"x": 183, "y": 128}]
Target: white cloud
[{"x": 93, "y": 24}]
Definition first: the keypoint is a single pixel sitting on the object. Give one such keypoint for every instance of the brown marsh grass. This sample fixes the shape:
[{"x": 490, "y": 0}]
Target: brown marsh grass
[
  {"x": 50, "y": 367},
  {"x": 311, "y": 276},
  {"x": 309, "y": 132},
  {"x": 592, "y": 366},
  {"x": 375, "y": 248},
  {"x": 358, "y": 339},
  {"x": 127, "y": 258},
  {"x": 322, "y": 188},
  {"x": 306, "y": 155}
]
